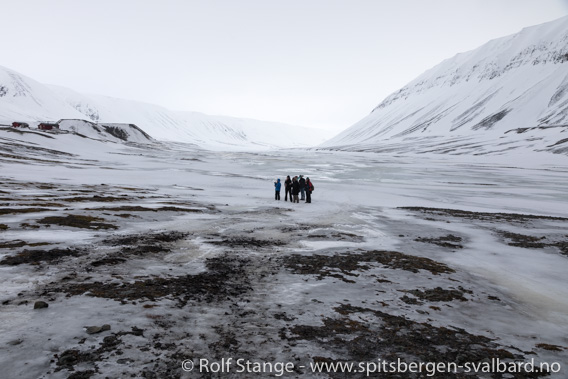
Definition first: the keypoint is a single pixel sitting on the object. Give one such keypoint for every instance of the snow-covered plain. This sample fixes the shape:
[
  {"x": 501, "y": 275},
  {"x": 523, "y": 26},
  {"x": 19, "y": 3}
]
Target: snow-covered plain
[{"x": 186, "y": 255}]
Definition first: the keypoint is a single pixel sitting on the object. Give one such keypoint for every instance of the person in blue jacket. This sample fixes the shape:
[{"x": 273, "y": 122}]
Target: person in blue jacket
[{"x": 277, "y": 186}]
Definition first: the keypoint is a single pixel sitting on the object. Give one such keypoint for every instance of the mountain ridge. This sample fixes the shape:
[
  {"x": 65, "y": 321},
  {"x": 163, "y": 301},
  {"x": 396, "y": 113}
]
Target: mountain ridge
[
  {"x": 513, "y": 82},
  {"x": 24, "y": 99}
]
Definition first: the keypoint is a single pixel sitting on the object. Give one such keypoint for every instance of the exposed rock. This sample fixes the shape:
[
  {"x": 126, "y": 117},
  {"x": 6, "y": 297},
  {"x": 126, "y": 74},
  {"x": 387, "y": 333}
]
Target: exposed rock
[
  {"x": 40, "y": 305},
  {"x": 97, "y": 329}
]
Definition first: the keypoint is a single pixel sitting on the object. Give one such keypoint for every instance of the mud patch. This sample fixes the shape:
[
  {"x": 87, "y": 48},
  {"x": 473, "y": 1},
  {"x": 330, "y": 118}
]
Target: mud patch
[
  {"x": 145, "y": 239},
  {"x": 299, "y": 227},
  {"x": 128, "y": 208},
  {"x": 437, "y": 294},
  {"x": 34, "y": 257},
  {"x": 532, "y": 242},
  {"x": 483, "y": 216},
  {"x": 69, "y": 358},
  {"x": 141, "y": 250},
  {"x": 361, "y": 334},
  {"x": 226, "y": 278},
  {"x": 191, "y": 204},
  {"x": 18, "y": 243},
  {"x": 78, "y": 221},
  {"x": 550, "y": 347},
  {"x": 352, "y": 262},
  {"x": 138, "y": 245},
  {"x": 7, "y": 211},
  {"x": 43, "y": 203},
  {"x": 450, "y": 241},
  {"x": 25, "y": 225},
  {"x": 525, "y": 241},
  {"x": 97, "y": 199},
  {"x": 109, "y": 261},
  {"x": 247, "y": 242},
  {"x": 335, "y": 236},
  {"x": 563, "y": 247}
]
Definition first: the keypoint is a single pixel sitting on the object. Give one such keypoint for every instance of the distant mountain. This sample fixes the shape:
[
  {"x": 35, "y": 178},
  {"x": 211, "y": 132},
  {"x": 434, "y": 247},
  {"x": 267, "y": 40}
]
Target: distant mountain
[
  {"x": 201, "y": 129},
  {"x": 24, "y": 99},
  {"x": 509, "y": 94}
]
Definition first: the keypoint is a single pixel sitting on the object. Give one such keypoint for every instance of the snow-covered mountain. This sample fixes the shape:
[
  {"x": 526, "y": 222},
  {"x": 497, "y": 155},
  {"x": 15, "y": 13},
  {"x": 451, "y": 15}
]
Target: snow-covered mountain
[
  {"x": 24, "y": 99},
  {"x": 511, "y": 93}
]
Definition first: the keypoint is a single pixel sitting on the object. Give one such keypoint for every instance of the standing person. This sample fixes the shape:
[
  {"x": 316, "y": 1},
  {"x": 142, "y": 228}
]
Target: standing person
[
  {"x": 302, "y": 187},
  {"x": 296, "y": 189},
  {"x": 277, "y": 186},
  {"x": 309, "y": 189},
  {"x": 288, "y": 188}
]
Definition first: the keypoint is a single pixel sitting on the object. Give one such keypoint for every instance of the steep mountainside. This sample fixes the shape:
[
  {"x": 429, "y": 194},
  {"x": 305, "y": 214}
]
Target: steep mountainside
[
  {"x": 24, "y": 99},
  {"x": 511, "y": 93}
]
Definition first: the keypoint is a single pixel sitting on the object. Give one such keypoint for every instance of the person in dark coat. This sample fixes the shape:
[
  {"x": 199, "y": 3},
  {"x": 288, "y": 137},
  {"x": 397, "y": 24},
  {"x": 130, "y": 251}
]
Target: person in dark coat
[
  {"x": 302, "y": 182},
  {"x": 295, "y": 189},
  {"x": 277, "y": 186},
  {"x": 309, "y": 189},
  {"x": 287, "y": 188}
]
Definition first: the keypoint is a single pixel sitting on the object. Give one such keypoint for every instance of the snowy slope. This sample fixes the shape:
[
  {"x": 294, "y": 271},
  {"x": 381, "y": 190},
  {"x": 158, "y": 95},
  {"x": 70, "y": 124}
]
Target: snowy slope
[
  {"x": 105, "y": 132},
  {"x": 202, "y": 129},
  {"x": 194, "y": 127},
  {"x": 509, "y": 93},
  {"x": 24, "y": 99}
]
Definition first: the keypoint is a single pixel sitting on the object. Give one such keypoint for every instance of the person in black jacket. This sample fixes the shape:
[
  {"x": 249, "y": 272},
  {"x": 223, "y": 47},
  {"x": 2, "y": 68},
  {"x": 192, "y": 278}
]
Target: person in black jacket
[
  {"x": 302, "y": 182},
  {"x": 287, "y": 188},
  {"x": 309, "y": 189},
  {"x": 295, "y": 189}
]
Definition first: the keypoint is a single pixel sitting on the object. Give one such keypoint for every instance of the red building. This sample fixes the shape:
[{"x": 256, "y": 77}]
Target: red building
[
  {"x": 48, "y": 126},
  {"x": 18, "y": 124}
]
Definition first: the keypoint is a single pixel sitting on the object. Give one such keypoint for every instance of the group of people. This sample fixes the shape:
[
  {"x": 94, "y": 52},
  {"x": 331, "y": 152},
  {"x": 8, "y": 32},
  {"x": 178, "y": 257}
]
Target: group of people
[{"x": 297, "y": 186}]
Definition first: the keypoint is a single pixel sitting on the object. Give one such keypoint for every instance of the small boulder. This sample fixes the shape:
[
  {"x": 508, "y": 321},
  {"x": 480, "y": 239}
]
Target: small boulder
[
  {"x": 97, "y": 329},
  {"x": 40, "y": 305}
]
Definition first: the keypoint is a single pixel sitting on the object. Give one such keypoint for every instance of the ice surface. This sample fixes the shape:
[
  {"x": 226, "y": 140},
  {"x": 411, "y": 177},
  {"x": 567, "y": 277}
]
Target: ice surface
[{"x": 355, "y": 209}]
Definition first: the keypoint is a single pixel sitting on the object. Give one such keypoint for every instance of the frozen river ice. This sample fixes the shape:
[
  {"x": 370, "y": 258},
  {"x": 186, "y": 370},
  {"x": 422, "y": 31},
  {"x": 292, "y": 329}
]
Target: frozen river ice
[{"x": 191, "y": 247}]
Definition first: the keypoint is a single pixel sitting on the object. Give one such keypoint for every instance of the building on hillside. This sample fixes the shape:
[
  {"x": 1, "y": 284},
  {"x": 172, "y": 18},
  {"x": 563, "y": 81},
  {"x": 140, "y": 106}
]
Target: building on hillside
[
  {"x": 19, "y": 124},
  {"x": 48, "y": 126}
]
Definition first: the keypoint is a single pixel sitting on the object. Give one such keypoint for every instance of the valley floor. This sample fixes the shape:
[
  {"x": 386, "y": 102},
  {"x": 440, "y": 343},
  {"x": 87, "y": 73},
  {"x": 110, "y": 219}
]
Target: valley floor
[{"x": 156, "y": 259}]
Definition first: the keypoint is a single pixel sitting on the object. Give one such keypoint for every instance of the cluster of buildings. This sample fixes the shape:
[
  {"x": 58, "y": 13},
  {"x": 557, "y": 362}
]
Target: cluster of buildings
[{"x": 42, "y": 125}]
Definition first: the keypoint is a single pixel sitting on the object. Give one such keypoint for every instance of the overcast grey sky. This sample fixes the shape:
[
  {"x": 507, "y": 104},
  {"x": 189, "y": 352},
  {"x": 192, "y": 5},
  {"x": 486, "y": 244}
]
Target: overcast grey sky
[{"x": 321, "y": 63}]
